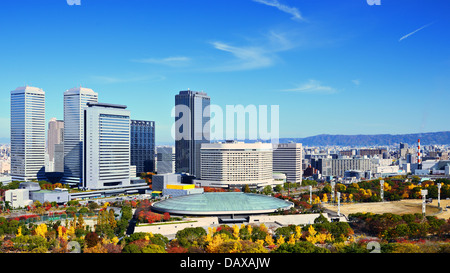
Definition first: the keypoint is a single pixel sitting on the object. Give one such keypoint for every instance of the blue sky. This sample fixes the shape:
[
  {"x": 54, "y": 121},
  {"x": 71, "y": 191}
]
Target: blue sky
[{"x": 333, "y": 67}]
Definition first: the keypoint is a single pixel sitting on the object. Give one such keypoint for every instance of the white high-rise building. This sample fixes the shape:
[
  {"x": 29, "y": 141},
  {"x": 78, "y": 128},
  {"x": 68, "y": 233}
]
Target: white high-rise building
[
  {"x": 27, "y": 133},
  {"x": 75, "y": 101},
  {"x": 106, "y": 160},
  {"x": 236, "y": 164},
  {"x": 287, "y": 159},
  {"x": 165, "y": 159}
]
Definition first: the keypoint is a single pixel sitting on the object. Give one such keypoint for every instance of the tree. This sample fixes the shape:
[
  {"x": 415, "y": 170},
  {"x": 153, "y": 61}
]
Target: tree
[
  {"x": 188, "y": 236},
  {"x": 91, "y": 239},
  {"x": 300, "y": 247},
  {"x": 267, "y": 190},
  {"x": 41, "y": 230},
  {"x": 325, "y": 198}
]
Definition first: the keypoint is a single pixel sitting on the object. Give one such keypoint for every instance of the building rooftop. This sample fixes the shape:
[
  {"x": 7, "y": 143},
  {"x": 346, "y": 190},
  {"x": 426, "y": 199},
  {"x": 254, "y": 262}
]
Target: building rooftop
[
  {"x": 80, "y": 90},
  {"x": 109, "y": 105},
  {"x": 28, "y": 89}
]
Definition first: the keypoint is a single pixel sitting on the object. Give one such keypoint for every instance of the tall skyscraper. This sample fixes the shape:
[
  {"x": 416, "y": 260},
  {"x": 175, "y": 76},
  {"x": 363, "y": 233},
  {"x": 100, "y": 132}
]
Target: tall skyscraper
[
  {"x": 193, "y": 131},
  {"x": 27, "y": 133},
  {"x": 165, "y": 159},
  {"x": 55, "y": 135},
  {"x": 142, "y": 139},
  {"x": 75, "y": 101},
  {"x": 287, "y": 159},
  {"x": 106, "y": 156}
]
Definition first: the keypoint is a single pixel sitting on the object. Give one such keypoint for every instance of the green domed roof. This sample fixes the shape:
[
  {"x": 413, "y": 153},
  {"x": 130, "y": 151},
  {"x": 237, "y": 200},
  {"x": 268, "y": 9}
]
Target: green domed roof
[{"x": 217, "y": 203}]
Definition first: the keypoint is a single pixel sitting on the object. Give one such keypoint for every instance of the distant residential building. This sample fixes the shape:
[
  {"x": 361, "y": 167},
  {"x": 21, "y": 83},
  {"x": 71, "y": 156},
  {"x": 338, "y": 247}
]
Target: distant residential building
[
  {"x": 321, "y": 164},
  {"x": 337, "y": 166},
  {"x": 5, "y": 166},
  {"x": 340, "y": 165},
  {"x": 27, "y": 133},
  {"x": 194, "y": 131},
  {"x": 106, "y": 160},
  {"x": 142, "y": 137},
  {"x": 165, "y": 159},
  {"x": 236, "y": 164},
  {"x": 75, "y": 102},
  {"x": 55, "y": 135},
  {"x": 287, "y": 159}
]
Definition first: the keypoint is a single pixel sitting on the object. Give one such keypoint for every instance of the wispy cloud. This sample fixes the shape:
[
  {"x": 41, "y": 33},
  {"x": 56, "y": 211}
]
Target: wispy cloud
[
  {"x": 411, "y": 33},
  {"x": 312, "y": 86},
  {"x": 246, "y": 57},
  {"x": 262, "y": 54},
  {"x": 356, "y": 82},
  {"x": 169, "y": 61},
  {"x": 296, "y": 15}
]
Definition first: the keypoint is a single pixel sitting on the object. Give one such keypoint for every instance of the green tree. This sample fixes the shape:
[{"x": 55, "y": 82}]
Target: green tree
[
  {"x": 188, "y": 236},
  {"x": 267, "y": 190},
  {"x": 300, "y": 247}
]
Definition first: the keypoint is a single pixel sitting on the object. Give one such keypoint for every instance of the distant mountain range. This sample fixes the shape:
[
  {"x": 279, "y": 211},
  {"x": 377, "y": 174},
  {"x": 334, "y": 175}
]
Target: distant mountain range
[
  {"x": 372, "y": 140},
  {"x": 358, "y": 140}
]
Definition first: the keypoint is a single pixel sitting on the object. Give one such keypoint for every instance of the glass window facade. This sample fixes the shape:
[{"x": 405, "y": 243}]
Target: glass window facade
[
  {"x": 187, "y": 151},
  {"x": 142, "y": 136}
]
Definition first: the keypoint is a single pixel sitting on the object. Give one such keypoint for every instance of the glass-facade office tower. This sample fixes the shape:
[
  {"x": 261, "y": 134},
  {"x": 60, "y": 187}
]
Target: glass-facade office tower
[
  {"x": 75, "y": 101},
  {"x": 194, "y": 130},
  {"x": 106, "y": 160},
  {"x": 27, "y": 133},
  {"x": 142, "y": 137},
  {"x": 165, "y": 159}
]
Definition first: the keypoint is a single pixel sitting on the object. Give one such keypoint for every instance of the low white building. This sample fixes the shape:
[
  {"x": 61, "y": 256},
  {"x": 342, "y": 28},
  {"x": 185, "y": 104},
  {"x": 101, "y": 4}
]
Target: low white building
[{"x": 18, "y": 198}]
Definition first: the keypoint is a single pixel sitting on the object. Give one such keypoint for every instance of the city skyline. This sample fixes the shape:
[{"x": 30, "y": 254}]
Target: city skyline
[{"x": 332, "y": 67}]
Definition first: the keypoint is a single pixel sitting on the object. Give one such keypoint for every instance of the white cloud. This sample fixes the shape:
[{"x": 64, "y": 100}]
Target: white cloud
[
  {"x": 246, "y": 57},
  {"x": 312, "y": 86},
  {"x": 260, "y": 55},
  {"x": 356, "y": 82},
  {"x": 296, "y": 15},
  {"x": 170, "y": 61}
]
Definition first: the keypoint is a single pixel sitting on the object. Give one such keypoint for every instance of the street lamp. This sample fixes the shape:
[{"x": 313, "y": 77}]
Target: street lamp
[
  {"x": 339, "y": 203},
  {"x": 439, "y": 194},
  {"x": 333, "y": 184},
  {"x": 382, "y": 190},
  {"x": 424, "y": 194},
  {"x": 310, "y": 194}
]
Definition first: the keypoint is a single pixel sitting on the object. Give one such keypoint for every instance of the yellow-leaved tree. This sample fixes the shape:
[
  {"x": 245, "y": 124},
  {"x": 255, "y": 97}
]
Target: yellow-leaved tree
[
  {"x": 298, "y": 232},
  {"x": 291, "y": 239},
  {"x": 41, "y": 230},
  {"x": 325, "y": 198},
  {"x": 236, "y": 231},
  {"x": 280, "y": 240},
  {"x": 269, "y": 240},
  {"x": 19, "y": 231},
  {"x": 215, "y": 243}
]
